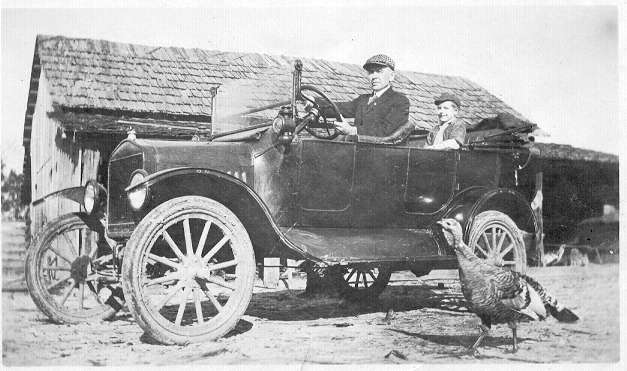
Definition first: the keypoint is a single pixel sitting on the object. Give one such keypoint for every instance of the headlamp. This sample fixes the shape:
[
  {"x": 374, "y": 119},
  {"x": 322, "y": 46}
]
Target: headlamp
[
  {"x": 138, "y": 195},
  {"x": 90, "y": 197},
  {"x": 278, "y": 124}
]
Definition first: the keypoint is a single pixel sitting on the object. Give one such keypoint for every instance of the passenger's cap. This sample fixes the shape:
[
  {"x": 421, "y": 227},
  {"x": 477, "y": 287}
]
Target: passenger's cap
[{"x": 447, "y": 97}]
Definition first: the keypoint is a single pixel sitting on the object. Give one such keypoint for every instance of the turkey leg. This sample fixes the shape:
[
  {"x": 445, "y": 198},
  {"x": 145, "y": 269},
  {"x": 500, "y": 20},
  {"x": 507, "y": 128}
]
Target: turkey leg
[
  {"x": 512, "y": 325},
  {"x": 484, "y": 332}
]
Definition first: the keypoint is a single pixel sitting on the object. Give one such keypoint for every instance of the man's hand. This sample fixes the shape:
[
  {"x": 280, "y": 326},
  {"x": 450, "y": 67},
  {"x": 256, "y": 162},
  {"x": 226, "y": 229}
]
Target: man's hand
[
  {"x": 345, "y": 128},
  {"x": 447, "y": 144},
  {"x": 309, "y": 102}
]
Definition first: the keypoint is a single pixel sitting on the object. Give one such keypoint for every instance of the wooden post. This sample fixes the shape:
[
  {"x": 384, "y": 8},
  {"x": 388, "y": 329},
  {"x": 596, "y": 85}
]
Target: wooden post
[
  {"x": 271, "y": 272},
  {"x": 288, "y": 276},
  {"x": 538, "y": 213},
  {"x": 213, "y": 91}
]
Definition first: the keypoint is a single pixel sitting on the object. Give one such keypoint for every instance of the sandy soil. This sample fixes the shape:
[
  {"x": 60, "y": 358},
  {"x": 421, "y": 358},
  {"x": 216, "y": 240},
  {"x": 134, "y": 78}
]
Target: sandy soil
[{"x": 429, "y": 325}]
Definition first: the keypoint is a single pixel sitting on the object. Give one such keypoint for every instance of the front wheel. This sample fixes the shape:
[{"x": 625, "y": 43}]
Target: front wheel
[
  {"x": 495, "y": 238},
  {"x": 188, "y": 271},
  {"x": 68, "y": 265}
]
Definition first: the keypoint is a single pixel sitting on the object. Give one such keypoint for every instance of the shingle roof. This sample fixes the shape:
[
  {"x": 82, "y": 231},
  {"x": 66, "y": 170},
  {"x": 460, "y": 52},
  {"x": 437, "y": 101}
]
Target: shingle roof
[
  {"x": 111, "y": 76},
  {"x": 553, "y": 151}
]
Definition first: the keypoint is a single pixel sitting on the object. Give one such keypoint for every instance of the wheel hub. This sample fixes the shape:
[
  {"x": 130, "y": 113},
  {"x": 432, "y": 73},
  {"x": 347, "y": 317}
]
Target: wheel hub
[
  {"x": 80, "y": 268},
  {"x": 193, "y": 268},
  {"x": 496, "y": 259}
]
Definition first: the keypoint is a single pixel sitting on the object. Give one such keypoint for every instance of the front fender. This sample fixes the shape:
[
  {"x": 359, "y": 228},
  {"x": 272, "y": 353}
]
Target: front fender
[
  {"x": 75, "y": 194},
  {"x": 239, "y": 197},
  {"x": 93, "y": 222}
]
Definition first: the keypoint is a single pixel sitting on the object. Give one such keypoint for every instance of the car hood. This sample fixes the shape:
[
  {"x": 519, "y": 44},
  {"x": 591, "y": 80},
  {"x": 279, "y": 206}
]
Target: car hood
[{"x": 165, "y": 154}]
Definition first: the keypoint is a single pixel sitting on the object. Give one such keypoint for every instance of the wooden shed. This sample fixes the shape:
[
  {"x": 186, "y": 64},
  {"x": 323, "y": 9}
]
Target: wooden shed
[{"x": 85, "y": 95}]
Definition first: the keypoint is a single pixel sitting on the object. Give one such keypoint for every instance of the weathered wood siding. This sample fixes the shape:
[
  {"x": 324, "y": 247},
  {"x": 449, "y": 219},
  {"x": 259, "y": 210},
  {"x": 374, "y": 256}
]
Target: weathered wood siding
[{"x": 56, "y": 162}]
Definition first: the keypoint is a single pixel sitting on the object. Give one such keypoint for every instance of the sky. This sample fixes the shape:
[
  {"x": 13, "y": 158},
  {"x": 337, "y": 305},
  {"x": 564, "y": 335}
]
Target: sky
[{"x": 557, "y": 65}]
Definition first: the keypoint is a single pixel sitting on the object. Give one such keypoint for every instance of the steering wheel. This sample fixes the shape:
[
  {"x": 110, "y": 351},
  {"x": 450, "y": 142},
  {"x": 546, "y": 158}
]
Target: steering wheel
[{"x": 332, "y": 132}]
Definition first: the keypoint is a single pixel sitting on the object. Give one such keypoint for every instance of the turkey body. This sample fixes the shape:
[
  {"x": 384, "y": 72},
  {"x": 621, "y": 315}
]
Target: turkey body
[{"x": 497, "y": 295}]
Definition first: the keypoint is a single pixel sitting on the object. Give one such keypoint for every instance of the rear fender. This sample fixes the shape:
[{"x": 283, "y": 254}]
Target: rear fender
[
  {"x": 462, "y": 206},
  {"x": 509, "y": 202},
  {"x": 471, "y": 202},
  {"x": 265, "y": 235}
]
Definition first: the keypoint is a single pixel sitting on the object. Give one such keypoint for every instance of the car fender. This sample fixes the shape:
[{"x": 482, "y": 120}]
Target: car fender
[
  {"x": 73, "y": 194},
  {"x": 472, "y": 201},
  {"x": 232, "y": 192},
  {"x": 509, "y": 202}
]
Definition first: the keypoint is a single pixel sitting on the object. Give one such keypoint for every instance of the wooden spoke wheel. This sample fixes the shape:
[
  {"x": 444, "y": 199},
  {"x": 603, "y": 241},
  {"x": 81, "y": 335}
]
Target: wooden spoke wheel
[
  {"x": 188, "y": 271},
  {"x": 496, "y": 238},
  {"x": 67, "y": 265},
  {"x": 363, "y": 283}
]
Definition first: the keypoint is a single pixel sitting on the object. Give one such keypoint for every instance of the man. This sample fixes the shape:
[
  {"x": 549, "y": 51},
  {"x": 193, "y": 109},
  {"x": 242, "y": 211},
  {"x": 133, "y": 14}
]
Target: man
[
  {"x": 381, "y": 116},
  {"x": 451, "y": 131}
]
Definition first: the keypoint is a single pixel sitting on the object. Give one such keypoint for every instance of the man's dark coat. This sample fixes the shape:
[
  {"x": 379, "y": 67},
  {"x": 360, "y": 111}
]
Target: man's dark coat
[{"x": 385, "y": 120}]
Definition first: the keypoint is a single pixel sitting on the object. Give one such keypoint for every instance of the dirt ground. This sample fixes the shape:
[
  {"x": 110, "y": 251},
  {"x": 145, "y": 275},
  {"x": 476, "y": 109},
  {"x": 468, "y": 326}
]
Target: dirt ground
[{"x": 429, "y": 325}]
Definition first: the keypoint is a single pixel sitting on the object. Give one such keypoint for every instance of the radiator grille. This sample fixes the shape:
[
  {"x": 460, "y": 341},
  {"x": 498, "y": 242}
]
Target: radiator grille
[{"x": 119, "y": 213}]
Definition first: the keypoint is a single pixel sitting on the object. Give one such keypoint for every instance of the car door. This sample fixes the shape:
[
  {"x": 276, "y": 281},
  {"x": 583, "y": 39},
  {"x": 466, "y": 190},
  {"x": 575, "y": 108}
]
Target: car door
[
  {"x": 380, "y": 176},
  {"x": 325, "y": 183},
  {"x": 431, "y": 180}
]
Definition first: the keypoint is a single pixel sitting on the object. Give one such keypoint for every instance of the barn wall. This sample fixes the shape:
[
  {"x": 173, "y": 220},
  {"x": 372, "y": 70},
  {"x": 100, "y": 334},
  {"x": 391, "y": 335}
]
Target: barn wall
[
  {"x": 574, "y": 191},
  {"x": 56, "y": 162}
]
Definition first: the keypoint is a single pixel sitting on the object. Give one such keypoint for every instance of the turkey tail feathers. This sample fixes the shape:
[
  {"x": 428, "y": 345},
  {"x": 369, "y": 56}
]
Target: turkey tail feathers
[
  {"x": 563, "y": 315},
  {"x": 554, "y": 308}
]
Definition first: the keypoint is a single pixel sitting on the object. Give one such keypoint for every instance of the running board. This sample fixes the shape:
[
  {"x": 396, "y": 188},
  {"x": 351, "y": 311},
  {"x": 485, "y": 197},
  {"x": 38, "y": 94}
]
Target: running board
[{"x": 367, "y": 244}]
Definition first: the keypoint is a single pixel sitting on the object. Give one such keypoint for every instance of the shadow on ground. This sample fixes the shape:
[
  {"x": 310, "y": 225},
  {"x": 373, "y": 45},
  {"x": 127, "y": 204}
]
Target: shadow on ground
[
  {"x": 462, "y": 340},
  {"x": 294, "y": 306}
]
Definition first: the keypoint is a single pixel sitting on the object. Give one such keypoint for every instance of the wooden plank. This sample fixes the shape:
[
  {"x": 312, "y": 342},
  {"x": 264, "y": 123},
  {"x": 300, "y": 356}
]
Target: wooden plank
[
  {"x": 538, "y": 213},
  {"x": 288, "y": 276},
  {"x": 271, "y": 272}
]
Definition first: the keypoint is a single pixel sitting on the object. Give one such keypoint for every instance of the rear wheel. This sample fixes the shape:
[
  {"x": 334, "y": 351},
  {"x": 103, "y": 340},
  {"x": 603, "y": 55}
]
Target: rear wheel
[
  {"x": 363, "y": 283},
  {"x": 188, "y": 271},
  {"x": 67, "y": 265},
  {"x": 496, "y": 238}
]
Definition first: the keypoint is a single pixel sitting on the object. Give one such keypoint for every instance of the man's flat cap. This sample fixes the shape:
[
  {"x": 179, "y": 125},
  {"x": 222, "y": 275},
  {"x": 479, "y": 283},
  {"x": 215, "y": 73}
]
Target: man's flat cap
[
  {"x": 379, "y": 60},
  {"x": 444, "y": 97}
]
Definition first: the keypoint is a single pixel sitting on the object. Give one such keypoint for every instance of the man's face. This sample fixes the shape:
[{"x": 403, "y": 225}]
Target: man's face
[
  {"x": 447, "y": 111},
  {"x": 380, "y": 77}
]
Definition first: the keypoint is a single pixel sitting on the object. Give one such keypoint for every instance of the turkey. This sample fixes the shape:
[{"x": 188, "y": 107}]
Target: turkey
[{"x": 497, "y": 295}]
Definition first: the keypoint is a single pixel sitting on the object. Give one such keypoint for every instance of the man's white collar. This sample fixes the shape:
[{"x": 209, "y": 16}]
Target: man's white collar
[{"x": 379, "y": 93}]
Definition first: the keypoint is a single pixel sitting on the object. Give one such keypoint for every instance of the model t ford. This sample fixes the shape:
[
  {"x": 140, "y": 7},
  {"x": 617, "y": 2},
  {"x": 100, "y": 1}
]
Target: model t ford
[{"x": 187, "y": 221}]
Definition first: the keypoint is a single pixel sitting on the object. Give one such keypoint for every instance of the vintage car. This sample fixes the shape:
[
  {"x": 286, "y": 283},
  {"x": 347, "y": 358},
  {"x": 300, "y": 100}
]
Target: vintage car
[{"x": 188, "y": 221}]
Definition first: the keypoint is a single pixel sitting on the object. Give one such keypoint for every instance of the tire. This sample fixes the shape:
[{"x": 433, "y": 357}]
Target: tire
[
  {"x": 494, "y": 231},
  {"x": 60, "y": 282},
  {"x": 150, "y": 259},
  {"x": 363, "y": 283}
]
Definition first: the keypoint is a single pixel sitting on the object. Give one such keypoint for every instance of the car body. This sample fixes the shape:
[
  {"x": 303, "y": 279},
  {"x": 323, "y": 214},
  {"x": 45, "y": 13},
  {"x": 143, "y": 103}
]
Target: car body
[{"x": 333, "y": 202}]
